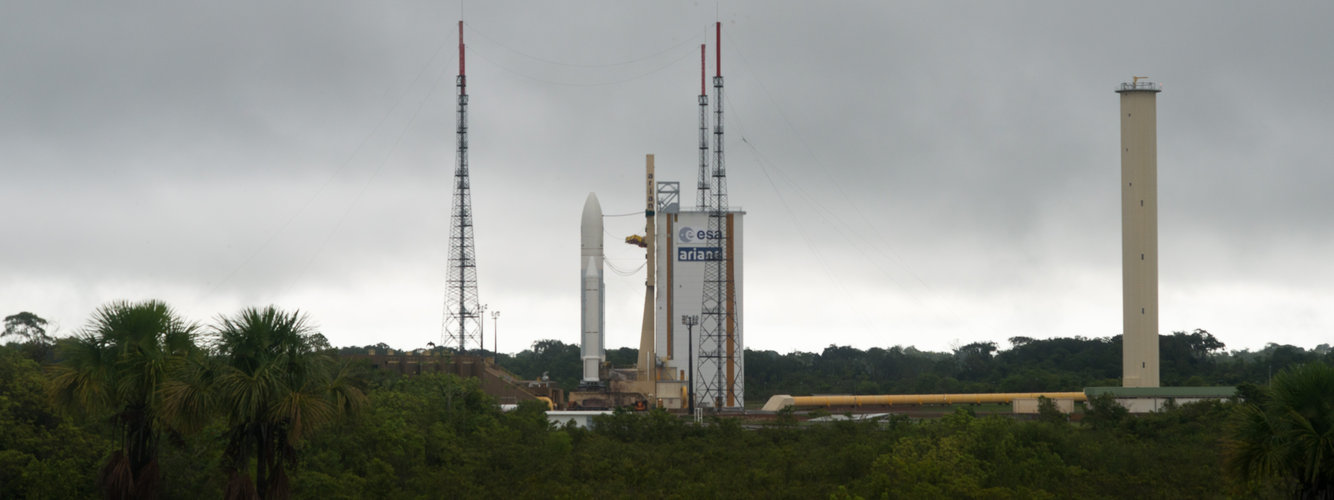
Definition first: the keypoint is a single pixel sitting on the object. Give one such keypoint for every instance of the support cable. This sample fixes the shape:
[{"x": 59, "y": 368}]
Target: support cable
[
  {"x": 686, "y": 40},
  {"x": 575, "y": 84},
  {"x": 282, "y": 229}
]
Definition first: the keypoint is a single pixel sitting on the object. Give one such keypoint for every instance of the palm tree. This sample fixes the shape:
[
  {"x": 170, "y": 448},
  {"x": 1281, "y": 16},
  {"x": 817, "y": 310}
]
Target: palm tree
[
  {"x": 1290, "y": 435},
  {"x": 118, "y": 367},
  {"x": 278, "y": 381}
]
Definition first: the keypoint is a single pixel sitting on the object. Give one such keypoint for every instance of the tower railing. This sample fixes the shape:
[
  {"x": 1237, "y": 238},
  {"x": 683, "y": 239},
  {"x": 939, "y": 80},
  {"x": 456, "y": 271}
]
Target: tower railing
[{"x": 1139, "y": 86}]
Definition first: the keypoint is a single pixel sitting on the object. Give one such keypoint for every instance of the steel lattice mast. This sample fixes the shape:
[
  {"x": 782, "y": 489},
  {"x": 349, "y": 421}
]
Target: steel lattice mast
[
  {"x": 718, "y": 356},
  {"x": 702, "y": 188},
  {"x": 463, "y": 317}
]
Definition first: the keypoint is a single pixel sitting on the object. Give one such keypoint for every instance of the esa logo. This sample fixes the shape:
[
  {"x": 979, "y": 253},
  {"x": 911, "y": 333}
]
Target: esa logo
[{"x": 689, "y": 235}]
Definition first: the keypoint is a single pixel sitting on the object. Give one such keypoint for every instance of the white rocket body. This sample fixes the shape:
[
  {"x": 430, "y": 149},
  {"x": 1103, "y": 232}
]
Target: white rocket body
[{"x": 592, "y": 297}]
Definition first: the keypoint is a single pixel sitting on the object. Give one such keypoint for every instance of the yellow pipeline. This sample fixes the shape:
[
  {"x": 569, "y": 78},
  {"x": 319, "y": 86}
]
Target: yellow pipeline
[{"x": 781, "y": 401}]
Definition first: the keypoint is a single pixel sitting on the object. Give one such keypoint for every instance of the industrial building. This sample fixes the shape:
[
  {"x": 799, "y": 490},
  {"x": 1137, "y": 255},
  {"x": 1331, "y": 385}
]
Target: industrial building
[{"x": 685, "y": 245}]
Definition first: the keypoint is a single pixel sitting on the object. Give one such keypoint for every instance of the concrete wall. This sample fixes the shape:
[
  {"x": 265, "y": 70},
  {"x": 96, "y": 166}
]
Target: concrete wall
[
  {"x": 495, "y": 381},
  {"x": 1030, "y": 406},
  {"x": 1139, "y": 238},
  {"x": 1150, "y": 405}
]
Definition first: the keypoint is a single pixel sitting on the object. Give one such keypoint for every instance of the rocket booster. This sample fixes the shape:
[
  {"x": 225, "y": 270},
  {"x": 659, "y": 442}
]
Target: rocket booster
[{"x": 592, "y": 296}]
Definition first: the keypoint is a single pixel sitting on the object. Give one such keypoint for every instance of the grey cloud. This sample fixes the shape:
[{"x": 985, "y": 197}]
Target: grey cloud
[{"x": 957, "y": 156}]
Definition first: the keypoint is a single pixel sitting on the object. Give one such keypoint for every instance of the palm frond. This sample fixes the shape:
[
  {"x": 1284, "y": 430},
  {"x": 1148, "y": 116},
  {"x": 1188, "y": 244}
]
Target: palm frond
[
  {"x": 186, "y": 399},
  {"x": 82, "y": 383},
  {"x": 302, "y": 411},
  {"x": 1254, "y": 452},
  {"x": 345, "y": 388}
]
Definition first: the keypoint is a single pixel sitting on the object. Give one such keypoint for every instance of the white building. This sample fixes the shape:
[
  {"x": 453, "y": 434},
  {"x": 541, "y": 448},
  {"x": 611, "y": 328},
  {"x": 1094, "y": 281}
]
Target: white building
[{"x": 684, "y": 246}]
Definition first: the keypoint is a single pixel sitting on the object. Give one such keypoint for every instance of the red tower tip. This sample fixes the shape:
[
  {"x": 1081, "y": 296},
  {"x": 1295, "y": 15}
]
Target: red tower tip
[
  {"x": 702, "y": 69},
  {"x": 460, "y": 48},
  {"x": 718, "y": 59}
]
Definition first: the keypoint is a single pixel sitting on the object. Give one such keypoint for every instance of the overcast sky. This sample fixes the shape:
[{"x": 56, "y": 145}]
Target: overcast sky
[{"x": 921, "y": 173}]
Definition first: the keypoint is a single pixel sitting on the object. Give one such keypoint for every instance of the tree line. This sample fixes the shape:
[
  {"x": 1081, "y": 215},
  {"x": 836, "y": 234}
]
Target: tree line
[
  {"x": 260, "y": 394},
  {"x": 1194, "y": 358}
]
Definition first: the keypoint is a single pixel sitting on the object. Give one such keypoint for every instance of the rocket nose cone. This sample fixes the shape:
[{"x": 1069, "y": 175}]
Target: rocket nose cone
[
  {"x": 592, "y": 208},
  {"x": 590, "y": 227}
]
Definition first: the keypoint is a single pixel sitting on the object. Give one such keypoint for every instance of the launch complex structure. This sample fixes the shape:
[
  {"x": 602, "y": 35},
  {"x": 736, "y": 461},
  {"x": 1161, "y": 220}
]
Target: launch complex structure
[
  {"x": 694, "y": 275},
  {"x": 691, "y": 349},
  {"x": 701, "y": 258}
]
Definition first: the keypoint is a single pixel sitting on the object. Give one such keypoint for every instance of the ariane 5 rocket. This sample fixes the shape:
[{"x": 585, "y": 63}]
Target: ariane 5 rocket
[{"x": 593, "y": 294}]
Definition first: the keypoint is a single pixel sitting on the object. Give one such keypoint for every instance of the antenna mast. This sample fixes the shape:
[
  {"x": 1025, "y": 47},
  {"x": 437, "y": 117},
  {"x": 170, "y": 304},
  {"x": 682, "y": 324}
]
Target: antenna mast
[
  {"x": 463, "y": 315},
  {"x": 702, "y": 188},
  {"x": 718, "y": 356}
]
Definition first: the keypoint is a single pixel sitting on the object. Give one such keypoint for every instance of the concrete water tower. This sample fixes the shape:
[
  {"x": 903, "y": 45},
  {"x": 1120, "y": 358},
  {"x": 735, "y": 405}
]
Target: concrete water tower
[{"x": 1139, "y": 232}]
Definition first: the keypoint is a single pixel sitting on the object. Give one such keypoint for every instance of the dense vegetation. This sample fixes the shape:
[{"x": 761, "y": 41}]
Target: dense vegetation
[
  {"x": 439, "y": 436},
  {"x": 1058, "y": 364},
  {"x": 144, "y": 380}
]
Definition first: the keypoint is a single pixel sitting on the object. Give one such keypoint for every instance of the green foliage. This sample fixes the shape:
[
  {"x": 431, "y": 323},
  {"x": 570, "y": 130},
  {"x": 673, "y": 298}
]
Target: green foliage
[
  {"x": 118, "y": 368},
  {"x": 276, "y": 382},
  {"x": 1288, "y": 437},
  {"x": 437, "y": 435},
  {"x": 42, "y": 455},
  {"x": 430, "y": 436},
  {"x": 31, "y": 330},
  {"x": 1047, "y": 411},
  {"x": 553, "y": 359},
  {"x": 27, "y": 326},
  {"x": 1103, "y": 412},
  {"x": 1196, "y": 358}
]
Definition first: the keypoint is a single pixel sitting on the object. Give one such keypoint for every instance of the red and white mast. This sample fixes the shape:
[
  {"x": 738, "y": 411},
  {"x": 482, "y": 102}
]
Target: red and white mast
[{"x": 463, "y": 314}]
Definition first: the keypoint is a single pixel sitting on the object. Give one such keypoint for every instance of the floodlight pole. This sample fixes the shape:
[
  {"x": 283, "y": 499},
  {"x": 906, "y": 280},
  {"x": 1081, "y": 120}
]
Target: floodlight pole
[
  {"x": 481, "y": 329},
  {"x": 495, "y": 333},
  {"x": 690, "y": 321}
]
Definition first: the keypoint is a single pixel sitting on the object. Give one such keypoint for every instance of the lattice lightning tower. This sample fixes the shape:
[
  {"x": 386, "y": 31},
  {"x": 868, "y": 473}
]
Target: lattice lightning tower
[
  {"x": 718, "y": 342},
  {"x": 702, "y": 189},
  {"x": 463, "y": 316}
]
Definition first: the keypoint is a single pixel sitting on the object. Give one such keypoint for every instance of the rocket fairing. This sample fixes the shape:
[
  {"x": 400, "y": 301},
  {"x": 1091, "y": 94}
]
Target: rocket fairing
[{"x": 592, "y": 296}]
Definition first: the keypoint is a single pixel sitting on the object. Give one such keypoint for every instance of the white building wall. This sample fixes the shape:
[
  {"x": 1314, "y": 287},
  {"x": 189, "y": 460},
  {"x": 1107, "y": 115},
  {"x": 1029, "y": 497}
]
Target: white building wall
[
  {"x": 1150, "y": 405},
  {"x": 580, "y": 418},
  {"x": 680, "y": 288}
]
